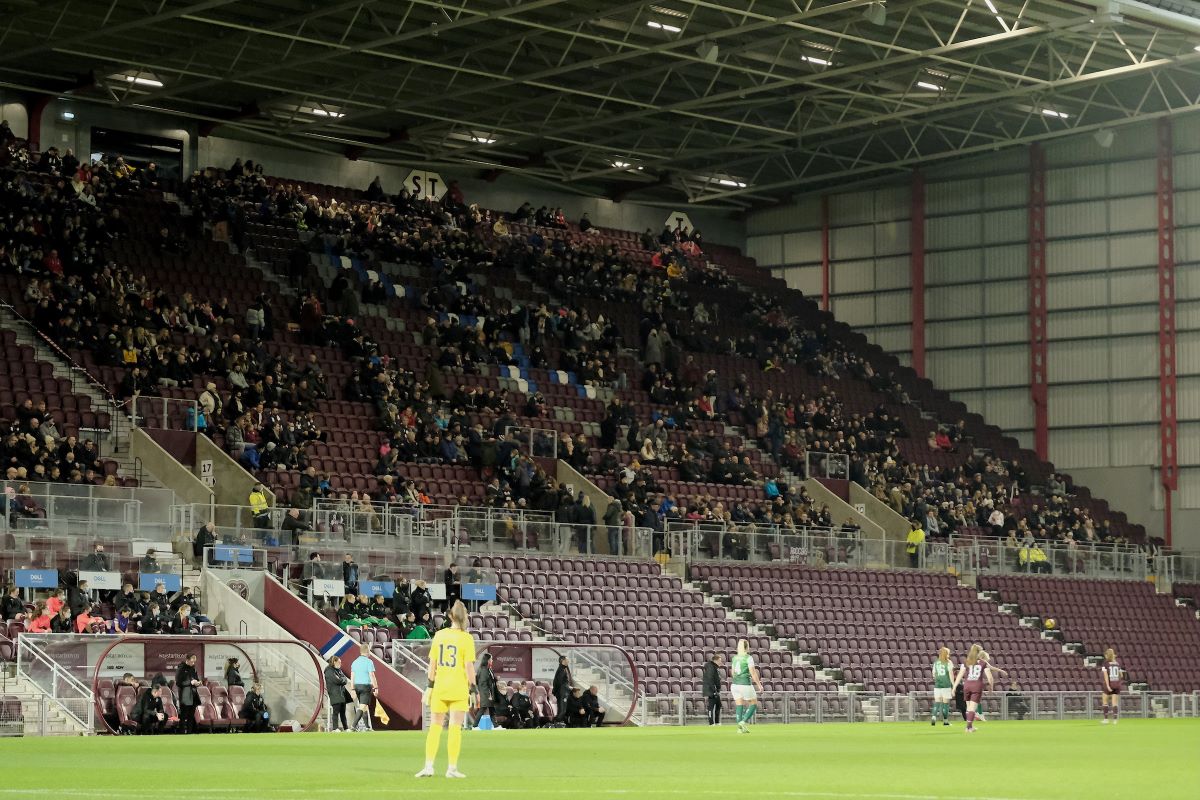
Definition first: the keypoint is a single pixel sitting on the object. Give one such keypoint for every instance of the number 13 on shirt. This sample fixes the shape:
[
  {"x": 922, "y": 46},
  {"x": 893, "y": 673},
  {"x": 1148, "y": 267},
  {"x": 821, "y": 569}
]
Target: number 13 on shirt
[{"x": 447, "y": 655}]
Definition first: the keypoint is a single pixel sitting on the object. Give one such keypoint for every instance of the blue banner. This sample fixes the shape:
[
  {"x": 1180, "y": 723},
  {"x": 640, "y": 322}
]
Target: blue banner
[
  {"x": 227, "y": 554},
  {"x": 148, "y": 580},
  {"x": 37, "y": 578},
  {"x": 479, "y": 591},
  {"x": 372, "y": 588}
]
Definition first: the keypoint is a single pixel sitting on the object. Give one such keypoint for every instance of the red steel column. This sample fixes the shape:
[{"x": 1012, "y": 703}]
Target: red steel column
[
  {"x": 824, "y": 252},
  {"x": 34, "y": 109},
  {"x": 1038, "y": 384},
  {"x": 1166, "y": 320},
  {"x": 916, "y": 242}
]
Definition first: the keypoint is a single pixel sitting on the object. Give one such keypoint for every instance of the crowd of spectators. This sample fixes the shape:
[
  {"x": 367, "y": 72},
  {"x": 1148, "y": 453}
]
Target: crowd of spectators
[
  {"x": 79, "y": 609},
  {"x": 265, "y": 420}
]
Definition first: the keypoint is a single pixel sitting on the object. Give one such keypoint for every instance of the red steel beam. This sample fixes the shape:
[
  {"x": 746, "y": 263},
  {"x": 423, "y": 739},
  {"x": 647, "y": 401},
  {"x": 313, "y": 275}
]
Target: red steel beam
[
  {"x": 1166, "y": 321},
  {"x": 917, "y": 269},
  {"x": 1038, "y": 382},
  {"x": 824, "y": 252}
]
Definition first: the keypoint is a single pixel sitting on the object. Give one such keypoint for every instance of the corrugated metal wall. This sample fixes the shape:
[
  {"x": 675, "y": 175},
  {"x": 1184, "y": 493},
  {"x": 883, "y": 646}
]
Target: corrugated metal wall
[
  {"x": 868, "y": 253},
  {"x": 1101, "y": 292}
]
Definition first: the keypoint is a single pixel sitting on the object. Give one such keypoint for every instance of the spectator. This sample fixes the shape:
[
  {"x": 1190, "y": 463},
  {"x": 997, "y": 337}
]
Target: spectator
[
  {"x": 349, "y": 573},
  {"x": 40, "y": 620},
  {"x": 97, "y": 561},
  {"x": 181, "y": 621},
  {"x": 453, "y": 586},
  {"x": 187, "y": 681},
  {"x": 79, "y": 598},
  {"x": 204, "y": 538},
  {"x": 419, "y": 601},
  {"x": 87, "y": 622},
  {"x": 349, "y": 614},
  {"x": 561, "y": 688},
  {"x": 148, "y": 711},
  {"x": 293, "y": 523},
  {"x": 61, "y": 622},
  {"x": 419, "y": 629},
  {"x": 339, "y": 695},
  {"x": 12, "y": 605},
  {"x": 154, "y": 620},
  {"x": 233, "y": 675},
  {"x": 711, "y": 686},
  {"x": 123, "y": 623},
  {"x": 55, "y": 601},
  {"x": 591, "y": 704},
  {"x": 255, "y": 711},
  {"x": 149, "y": 563}
]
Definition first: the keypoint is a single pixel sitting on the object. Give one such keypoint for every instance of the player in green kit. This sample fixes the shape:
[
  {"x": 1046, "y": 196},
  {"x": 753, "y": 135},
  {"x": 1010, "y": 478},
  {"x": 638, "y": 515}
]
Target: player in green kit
[
  {"x": 745, "y": 685},
  {"x": 943, "y": 691}
]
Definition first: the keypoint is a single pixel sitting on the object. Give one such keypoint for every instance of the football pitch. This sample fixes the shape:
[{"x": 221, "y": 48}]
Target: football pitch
[{"x": 1003, "y": 761}]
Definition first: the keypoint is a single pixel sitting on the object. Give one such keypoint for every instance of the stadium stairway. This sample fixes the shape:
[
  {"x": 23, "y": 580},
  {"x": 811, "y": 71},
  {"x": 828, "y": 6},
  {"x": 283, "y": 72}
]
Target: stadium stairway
[
  {"x": 397, "y": 694},
  {"x": 875, "y": 630},
  {"x": 113, "y": 444},
  {"x": 15, "y": 690}
]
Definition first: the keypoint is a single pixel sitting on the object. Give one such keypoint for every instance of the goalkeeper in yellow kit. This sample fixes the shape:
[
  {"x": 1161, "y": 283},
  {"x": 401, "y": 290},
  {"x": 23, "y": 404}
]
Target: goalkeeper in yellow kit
[{"x": 451, "y": 684}]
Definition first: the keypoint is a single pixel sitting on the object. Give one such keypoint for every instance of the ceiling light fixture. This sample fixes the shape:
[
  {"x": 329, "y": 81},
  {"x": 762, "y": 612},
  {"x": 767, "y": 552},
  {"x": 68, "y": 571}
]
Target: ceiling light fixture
[
  {"x": 933, "y": 87},
  {"x": 876, "y": 13},
  {"x": 140, "y": 81},
  {"x": 731, "y": 183},
  {"x": 1050, "y": 112},
  {"x": 663, "y": 26},
  {"x": 322, "y": 112},
  {"x": 814, "y": 60},
  {"x": 482, "y": 140},
  {"x": 68, "y": 115},
  {"x": 622, "y": 164}
]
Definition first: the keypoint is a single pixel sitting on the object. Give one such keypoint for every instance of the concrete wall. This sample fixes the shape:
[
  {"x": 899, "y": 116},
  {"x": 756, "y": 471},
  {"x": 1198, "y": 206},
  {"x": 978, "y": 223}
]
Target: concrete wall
[
  {"x": 600, "y": 500},
  {"x": 894, "y": 525},
  {"x": 168, "y": 471},
  {"x": 231, "y": 483}
]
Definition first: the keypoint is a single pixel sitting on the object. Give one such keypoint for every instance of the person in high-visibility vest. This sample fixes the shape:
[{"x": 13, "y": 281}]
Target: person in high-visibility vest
[{"x": 259, "y": 506}]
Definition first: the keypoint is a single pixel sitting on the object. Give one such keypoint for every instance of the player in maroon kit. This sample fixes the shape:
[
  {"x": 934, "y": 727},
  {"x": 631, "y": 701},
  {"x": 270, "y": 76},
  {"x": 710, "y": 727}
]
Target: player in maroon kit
[
  {"x": 971, "y": 674},
  {"x": 1114, "y": 679}
]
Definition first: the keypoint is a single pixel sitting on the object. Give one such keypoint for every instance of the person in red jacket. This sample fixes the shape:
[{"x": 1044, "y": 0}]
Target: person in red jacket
[{"x": 40, "y": 621}]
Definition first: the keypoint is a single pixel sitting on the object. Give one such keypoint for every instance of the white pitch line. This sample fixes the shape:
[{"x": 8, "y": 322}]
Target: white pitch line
[{"x": 437, "y": 787}]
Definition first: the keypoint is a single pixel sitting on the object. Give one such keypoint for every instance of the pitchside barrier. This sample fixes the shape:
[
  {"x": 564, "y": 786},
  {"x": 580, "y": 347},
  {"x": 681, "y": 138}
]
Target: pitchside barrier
[
  {"x": 689, "y": 708},
  {"x": 532, "y": 665}
]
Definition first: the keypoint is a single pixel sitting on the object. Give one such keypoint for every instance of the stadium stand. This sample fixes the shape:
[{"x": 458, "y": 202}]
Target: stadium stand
[
  {"x": 669, "y": 628},
  {"x": 1157, "y": 641},
  {"x": 420, "y": 335},
  {"x": 815, "y": 385},
  {"x": 880, "y": 627}
]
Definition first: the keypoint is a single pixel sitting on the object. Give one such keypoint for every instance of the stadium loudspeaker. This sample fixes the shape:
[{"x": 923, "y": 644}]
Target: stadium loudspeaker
[
  {"x": 708, "y": 51},
  {"x": 876, "y": 13},
  {"x": 1104, "y": 137}
]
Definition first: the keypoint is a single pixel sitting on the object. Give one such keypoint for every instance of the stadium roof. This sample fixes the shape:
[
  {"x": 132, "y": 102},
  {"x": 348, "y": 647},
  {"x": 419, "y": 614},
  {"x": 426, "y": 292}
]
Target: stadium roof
[{"x": 714, "y": 101}]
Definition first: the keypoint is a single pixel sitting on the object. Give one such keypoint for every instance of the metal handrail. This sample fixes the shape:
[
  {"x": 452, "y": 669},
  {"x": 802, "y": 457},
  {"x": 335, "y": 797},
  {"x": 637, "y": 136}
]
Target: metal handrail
[
  {"x": 25, "y": 647},
  {"x": 72, "y": 363}
]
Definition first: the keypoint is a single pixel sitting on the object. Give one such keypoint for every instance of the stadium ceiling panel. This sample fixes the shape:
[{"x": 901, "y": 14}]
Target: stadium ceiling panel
[{"x": 732, "y": 104}]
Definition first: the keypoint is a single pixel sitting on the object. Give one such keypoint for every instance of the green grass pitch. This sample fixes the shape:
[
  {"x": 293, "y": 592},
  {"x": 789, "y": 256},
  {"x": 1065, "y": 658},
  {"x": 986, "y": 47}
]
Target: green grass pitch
[{"x": 1157, "y": 759}]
